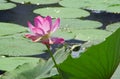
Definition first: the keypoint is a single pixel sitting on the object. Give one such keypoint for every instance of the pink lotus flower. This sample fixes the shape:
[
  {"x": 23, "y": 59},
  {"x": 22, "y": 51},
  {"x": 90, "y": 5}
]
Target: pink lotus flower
[{"x": 42, "y": 30}]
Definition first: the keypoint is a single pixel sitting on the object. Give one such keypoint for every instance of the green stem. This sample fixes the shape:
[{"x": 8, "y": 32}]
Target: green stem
[{"x": 50, "y": 52}]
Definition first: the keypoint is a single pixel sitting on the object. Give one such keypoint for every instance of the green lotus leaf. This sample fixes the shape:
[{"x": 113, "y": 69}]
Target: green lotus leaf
[
  {"x": 82, "y": 3},
  {"x": 4, "y": 6},
  {"x": 2, "y": 1},
  {"x": 79, "y": 24},
  {"x": 81, "y": 30},
  {"x": 113, "y": 9},
  {"x": 78, "y": 3},
  {"x": 9, "y": 28},
  {"x": 62, "y": 12},
  {"x": 113, "y": 27},
  {"x": 40, "y": 71},
  {"x": 10, "y": 63},
  {"x": 19, "y": 46},
  {"x": 26, "y": 67},
  {"x": 92, "y": 34},
  {"x": 63, "y": 34},
  {"x": 101, "y": 5},
  {"x": 97, "y": 62},
  {"x": 37, "y": 1}
]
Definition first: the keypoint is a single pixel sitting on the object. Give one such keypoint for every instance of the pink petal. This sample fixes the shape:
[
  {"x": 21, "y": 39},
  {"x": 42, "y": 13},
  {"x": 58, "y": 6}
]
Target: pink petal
[
  {"x": 31, "y": 27},
  {"x": 49, "y": 19},
  {"x": 43, "y": 23},
  {"x": 56, "y": 25},
  {"x": 53, "y": 41},
  {"x": 46, "y": 42},
  {"x": 56, "y": 40},
  {"x": 37, "y": 23},
  {"x": 46, "y": 26},
  {"x": 38, "y": 31},
  {"x": 35, "y": 30},
  {"x": 39, "y": 20},
  {"x": 32, "y": 37}
]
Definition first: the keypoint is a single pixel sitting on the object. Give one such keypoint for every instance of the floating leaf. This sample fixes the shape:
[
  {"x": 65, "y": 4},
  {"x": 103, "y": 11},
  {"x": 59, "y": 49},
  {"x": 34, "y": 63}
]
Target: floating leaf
[
  {"x": 69, "y": 3},
  {"x": 98, "y": 62},
  {"x": 82, "y": 3},
  {"x": 40, "y": 71},
  {"x": 113, "y": 9},
  {"x": 19, "y": 70},
  {"x": 2, "y": 1},
  {"x": 113, "y": 27},
  {"x": 101, "y": 5},
  {"x": 67, "y": 25},
  {"x": 4, "y": 6},
  {"x": 92, "y": 34},
  {"x": 37, "y": 1},
  {"x": 81, "y": 30},
  {"x": 12, "y": 46},
  {"x": 62, "y": 12},
  {"x": 8, "y": 64},
  {"x": 9, "y": 28},
  {"x": 79, "y": 24},
  {"x": 64, "y": 34}
]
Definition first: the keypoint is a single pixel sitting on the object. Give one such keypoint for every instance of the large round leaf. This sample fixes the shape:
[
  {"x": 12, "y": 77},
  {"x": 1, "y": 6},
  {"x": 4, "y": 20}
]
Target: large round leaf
[
  {"x": 10, "y": 63},
  {"x": 113, "y": 27},
  {"x": 78, "y": 3},
  {"x": 113, "y": 8},
  {"x": 91, "y": 34},
  {"x": 13, "y": 46},
  {"x": 4, "y": 6},
  {"x": 40, "y": 71},
  {"x": 101, "y": 5},
  {"x": 37, "y": 1},
  {"x": 81, "y": 30},
  {"x": 84, "y": 34},
  {"x": 98, "y": 62},
  {"x": 64, "y": 34},
  {"x": 82, "y": 3},
  {"x": 79, "y": 24},
  {"x": 9, "y": 28},
  {"x": 62, "y": 12},
  {"x": 2, "y": 1}
]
